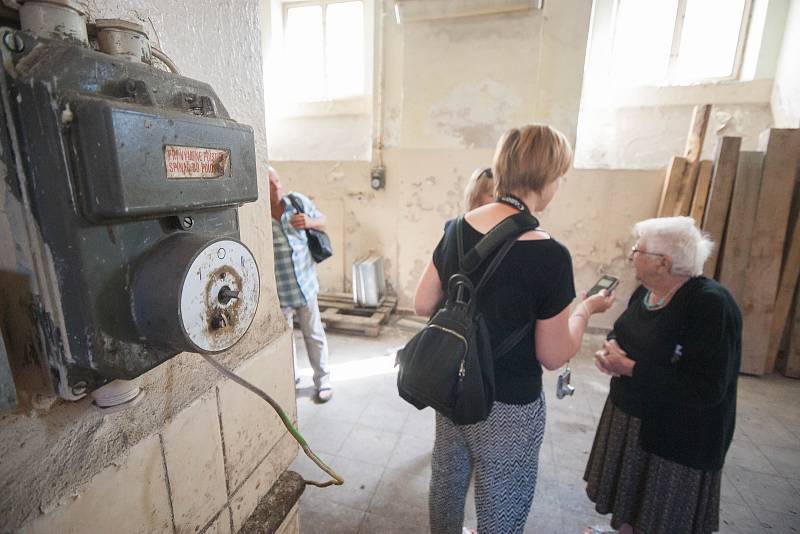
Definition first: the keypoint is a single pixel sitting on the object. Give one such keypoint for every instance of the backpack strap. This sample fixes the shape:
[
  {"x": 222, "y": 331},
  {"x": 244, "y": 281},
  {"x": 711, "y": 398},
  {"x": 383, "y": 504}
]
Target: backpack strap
[
  {"x": 504, "y": 235},
  {"x": 510, "y": 227},
  {"x": 460, "y": 238},
  {"x": 495, "y": 263},
  {"x": 298, "y": 206},
  {"x": 511, "y": 341}
]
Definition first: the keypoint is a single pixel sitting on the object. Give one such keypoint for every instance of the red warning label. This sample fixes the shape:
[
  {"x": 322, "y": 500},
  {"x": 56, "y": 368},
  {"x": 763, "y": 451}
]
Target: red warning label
[{"x": 195, "y": 162}]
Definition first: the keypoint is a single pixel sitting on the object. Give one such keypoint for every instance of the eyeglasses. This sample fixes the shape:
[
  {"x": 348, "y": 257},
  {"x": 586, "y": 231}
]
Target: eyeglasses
[{"x": 634, "y": 250}]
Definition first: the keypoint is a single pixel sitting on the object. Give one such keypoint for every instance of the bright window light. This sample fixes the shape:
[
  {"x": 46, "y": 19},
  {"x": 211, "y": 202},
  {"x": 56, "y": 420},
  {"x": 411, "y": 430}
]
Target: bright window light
[
  {"x": 709, "y": 39},
  {"x": 344, "y": 47},
  {"x": 643, "y": 40},
  {"x": 324, "y": 55},
  {"x": 659, "y": 42},
  {"x": 304, "y": 58}
]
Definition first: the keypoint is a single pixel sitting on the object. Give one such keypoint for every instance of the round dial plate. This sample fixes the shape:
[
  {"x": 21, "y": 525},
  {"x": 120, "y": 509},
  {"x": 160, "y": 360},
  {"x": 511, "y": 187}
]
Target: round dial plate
[{"x": 219, "y": 295}]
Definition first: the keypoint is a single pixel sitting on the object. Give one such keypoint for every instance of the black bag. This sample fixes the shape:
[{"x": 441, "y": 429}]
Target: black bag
[
  {"x": 449, "y": 364},
  {"x": 319, "y": 244}
]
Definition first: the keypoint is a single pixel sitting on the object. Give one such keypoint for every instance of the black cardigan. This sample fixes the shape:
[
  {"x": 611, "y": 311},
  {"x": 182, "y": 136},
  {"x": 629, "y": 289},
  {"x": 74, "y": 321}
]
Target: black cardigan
[{"x": 684, "y": 382}]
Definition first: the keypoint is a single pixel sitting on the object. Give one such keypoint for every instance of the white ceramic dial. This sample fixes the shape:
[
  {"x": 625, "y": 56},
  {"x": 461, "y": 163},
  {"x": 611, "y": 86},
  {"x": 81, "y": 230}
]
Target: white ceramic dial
[{"x": 219, "y": 296}]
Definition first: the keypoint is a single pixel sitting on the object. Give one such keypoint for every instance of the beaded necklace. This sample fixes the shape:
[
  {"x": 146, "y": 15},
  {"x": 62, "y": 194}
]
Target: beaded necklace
[{"x": 661, "y": 302}]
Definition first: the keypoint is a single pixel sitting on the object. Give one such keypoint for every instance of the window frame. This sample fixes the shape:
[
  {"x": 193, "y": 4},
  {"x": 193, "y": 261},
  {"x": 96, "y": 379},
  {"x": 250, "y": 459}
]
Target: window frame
[
  {"x": 670, "y": 79},
  {"x": 286, "y": 5}
]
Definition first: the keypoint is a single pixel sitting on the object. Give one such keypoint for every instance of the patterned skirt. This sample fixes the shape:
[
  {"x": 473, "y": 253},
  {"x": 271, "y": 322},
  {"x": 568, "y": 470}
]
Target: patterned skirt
[{"x": 654, "y": 495}]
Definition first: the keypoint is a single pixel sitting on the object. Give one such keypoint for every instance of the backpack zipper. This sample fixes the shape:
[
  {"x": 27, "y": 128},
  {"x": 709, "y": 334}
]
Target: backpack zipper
[{"x": 462, "y": 371}]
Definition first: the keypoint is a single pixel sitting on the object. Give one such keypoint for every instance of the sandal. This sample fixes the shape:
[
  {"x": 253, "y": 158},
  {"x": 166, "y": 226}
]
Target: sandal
[{"x": 324, "y": 395}]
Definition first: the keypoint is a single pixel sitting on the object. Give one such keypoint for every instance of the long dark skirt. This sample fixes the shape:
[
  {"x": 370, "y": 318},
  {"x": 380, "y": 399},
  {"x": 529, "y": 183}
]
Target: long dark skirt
[{"x": 654, "y": 495}]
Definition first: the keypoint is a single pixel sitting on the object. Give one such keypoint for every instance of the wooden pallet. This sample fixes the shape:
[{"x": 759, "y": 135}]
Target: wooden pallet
[{"x": 340, "y": 313}]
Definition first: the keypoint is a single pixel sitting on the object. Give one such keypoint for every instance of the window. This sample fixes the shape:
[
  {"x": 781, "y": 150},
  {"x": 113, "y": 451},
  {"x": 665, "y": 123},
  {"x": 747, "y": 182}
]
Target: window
[
  {"x": 323, "y": 50},
  {"x": 662, "y": 42}
]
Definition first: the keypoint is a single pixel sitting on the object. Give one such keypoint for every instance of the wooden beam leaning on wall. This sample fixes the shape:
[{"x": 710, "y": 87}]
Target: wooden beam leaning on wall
[
  {"x": 719, "y": 198},
  {"x": 679, "y": 184},
  {"x": 739, "y": 231},
  {"x": 672, "y": 186},
  {"x": 700, "y": 199},
  {"x": 694, "y": 147},
  {"x": 792, "y": 365},
  {"x": 766, "y": 252},
  {"x": 786, "y": 291}
]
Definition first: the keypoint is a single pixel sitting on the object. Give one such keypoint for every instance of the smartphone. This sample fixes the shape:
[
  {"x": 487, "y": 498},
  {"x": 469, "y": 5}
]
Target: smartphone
[{"x": 607, "y": 282}]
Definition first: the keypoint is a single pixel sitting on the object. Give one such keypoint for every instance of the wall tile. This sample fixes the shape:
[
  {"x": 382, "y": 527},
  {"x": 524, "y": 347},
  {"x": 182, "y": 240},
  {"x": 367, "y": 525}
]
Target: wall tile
[
  {"x": 193, "y": 453},
  {"x": 250, "y": 427},
  {"x": 261, "y": 480},
  {"x": 131, "y": 495},
  {"x": 222, "y": 524}
]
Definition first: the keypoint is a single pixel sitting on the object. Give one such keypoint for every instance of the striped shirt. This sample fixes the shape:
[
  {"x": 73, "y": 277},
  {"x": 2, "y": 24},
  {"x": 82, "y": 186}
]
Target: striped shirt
[{"x": 295, "y": 270}]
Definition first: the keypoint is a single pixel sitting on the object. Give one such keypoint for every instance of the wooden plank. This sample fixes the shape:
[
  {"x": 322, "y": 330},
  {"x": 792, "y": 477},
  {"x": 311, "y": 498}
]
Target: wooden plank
[
  {"x": 683, "y": 204},
  {"x": 792, "y": 365},
  {"x": 697, "y": 132},
  {"x": 736, "y": 248},
  {"x": 786, "y": 290},
  {"x": 339, "y": 317},
  {"x": 719, "y": 198},
  {"x": 694, "y": 147},
  {"x": 672, "y": 186},
  {"x": 701, "y": 191},
  {"x": 769, "y": 236},
  {"x": 368, "y": 326}
]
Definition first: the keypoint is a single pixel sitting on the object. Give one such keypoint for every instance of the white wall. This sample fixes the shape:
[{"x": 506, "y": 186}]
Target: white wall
[
  {"x": 66, "y": 467},
  {"x": 786, "y": 92}
]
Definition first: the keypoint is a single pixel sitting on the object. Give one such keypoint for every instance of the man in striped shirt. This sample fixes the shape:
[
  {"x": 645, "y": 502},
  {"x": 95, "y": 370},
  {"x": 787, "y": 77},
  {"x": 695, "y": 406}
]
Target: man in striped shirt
[{"x": 296, "y": 276}]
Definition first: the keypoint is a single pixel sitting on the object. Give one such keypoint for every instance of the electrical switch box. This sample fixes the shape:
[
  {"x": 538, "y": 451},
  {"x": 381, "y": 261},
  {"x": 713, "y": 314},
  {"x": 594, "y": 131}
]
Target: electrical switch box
[{"x": 126, "y": 181}]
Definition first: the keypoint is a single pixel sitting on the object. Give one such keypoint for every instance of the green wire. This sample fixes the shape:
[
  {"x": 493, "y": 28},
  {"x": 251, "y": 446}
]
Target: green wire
[{"x": 336, "y": 479}]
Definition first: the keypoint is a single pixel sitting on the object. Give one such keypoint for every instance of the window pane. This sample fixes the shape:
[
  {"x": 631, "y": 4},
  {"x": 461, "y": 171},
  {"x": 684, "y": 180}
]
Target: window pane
[
  {"x": 344, "y": 47},
  {"x": 303, "y": 53},
  {"x": 709, "y": 39},
  {"x": 642, "y": 40}
]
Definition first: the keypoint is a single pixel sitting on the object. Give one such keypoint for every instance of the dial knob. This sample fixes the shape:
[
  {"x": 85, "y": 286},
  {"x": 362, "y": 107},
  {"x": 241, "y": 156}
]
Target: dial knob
[{"x": 196, "y": 296}]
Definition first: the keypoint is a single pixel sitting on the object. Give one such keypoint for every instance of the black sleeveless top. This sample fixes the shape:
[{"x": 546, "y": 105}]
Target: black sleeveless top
[{"x": 534, "y": 281}]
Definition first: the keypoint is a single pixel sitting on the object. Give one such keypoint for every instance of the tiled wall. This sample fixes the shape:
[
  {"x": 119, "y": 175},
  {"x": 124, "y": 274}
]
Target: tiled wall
[{"x": 203, "y": 472}]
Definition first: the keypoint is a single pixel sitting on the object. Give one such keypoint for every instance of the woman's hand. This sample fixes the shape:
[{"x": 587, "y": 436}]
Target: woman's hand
[
  {"x": 612, "y": 360},
  {"x": 599, "y": 302}
]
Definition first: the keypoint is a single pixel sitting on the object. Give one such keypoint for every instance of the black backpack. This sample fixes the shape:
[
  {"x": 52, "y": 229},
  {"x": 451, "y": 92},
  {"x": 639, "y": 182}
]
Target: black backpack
[{"x": 449, "y": 364}]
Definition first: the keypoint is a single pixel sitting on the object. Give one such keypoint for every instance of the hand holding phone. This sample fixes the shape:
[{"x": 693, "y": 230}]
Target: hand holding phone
[{"x": 607, "y": 282}]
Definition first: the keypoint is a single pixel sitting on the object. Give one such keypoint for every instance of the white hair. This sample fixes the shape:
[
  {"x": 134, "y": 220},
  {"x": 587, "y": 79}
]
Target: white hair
[{"x": 678, "y": 238}]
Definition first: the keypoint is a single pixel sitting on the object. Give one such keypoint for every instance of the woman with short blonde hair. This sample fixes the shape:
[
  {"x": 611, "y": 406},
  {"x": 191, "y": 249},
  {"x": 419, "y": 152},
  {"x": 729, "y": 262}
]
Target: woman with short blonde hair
[
  {"x": 528, "y": 159},
  {"x": 529, "y": 293}
]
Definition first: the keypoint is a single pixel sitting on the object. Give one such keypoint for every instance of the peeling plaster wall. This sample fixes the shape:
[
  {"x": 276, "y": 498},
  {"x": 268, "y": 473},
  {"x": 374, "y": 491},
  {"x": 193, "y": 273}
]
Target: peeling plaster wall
[
  {"x": 786, "y": 92},
  {"x": 451, "y": 88},
  {"x": 646, "y": 137},
  {"x": 52, "y": 452}
]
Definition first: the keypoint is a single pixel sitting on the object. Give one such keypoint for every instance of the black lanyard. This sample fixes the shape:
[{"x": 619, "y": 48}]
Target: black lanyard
[{"x": 512, "y": 201}]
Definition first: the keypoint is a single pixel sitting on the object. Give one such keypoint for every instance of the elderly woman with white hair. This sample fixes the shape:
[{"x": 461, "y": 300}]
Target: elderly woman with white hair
[{"x": 674, "y": 356}]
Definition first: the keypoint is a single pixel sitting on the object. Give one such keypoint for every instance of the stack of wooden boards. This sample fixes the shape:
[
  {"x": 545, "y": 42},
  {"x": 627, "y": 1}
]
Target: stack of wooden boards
[
  {"x": 341, "y": 314},
  {"x": 748, "y": 202}
]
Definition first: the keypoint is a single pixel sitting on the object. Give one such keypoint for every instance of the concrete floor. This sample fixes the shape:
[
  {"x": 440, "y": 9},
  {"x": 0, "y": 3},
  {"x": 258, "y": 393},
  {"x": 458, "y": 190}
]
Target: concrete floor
[{"x": 381, "y": 446}]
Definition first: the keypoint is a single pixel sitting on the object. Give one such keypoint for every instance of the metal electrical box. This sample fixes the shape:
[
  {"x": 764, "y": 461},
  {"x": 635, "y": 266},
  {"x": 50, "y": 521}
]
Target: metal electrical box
[{"x": 128, "y": 180}]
